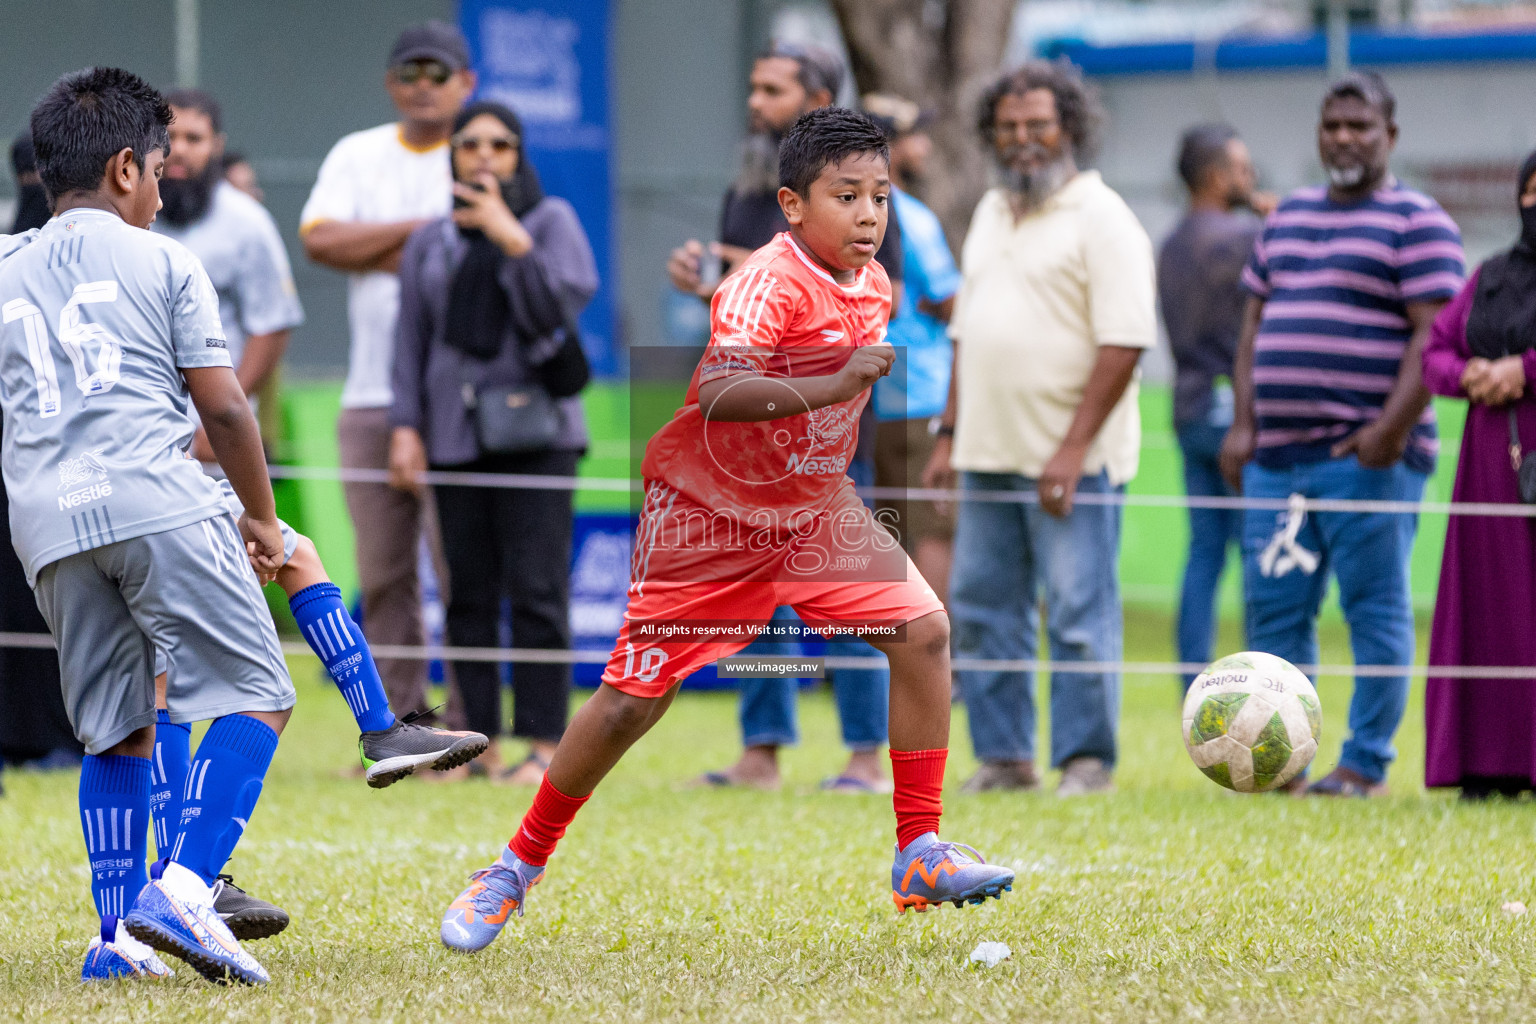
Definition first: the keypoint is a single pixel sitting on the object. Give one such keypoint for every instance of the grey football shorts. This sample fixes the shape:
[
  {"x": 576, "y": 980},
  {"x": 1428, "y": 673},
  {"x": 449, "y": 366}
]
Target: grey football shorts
[
  {"x": 189, "y": 591},
  {"x": 290, "y": 544}
]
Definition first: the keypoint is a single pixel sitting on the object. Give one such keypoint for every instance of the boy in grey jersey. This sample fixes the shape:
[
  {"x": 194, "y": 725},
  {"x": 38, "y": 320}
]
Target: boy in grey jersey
[{"x": 105, "y": 330}]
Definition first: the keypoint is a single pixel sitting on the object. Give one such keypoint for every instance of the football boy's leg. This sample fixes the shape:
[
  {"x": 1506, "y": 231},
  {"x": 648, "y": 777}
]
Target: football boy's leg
[
  {"x": 927, "y": 871},
  {"x": 601, "y": 732},
  {"x": 390, "y": 748},
  {"x": 638, "y": 686},
  {"x": 169, "y": 766},
  {"x": 114, "y": 805},
  {"x": 104, "y": 668},
  {"x": 249, "y": 918},
  {"x": 191, "y": 592}
]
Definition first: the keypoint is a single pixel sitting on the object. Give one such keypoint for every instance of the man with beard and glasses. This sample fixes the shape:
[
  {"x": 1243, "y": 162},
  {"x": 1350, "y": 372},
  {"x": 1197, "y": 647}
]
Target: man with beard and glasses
[
  {"x": 1199, "y": 286},
  {"x": 1054, "y": 309},
  {"x": 1344, "y": 283},
  {"x": 235, "y": 238},
  {"x": 787, "y": 80}
]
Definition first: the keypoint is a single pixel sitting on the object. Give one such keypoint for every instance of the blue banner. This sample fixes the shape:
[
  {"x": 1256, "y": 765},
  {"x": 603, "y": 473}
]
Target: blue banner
[{"x": 548, "y": 60}]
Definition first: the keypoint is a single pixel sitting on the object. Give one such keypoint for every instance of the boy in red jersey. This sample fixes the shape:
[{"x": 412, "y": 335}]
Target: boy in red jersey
[{"x": 748, "y": 506}]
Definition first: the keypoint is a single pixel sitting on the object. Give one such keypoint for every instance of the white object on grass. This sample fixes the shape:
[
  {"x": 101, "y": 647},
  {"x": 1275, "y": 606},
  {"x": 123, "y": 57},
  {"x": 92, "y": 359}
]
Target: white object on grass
[{"x": 990, "y": 954}]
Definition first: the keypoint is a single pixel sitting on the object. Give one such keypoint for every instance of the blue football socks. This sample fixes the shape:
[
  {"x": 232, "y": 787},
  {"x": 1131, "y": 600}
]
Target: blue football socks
[
  {"x": 339, "y": 643},
  {"x": 168, "y": 777},
  {"x": 114, "y": 808},
  {"x": 221, "y": 791}
]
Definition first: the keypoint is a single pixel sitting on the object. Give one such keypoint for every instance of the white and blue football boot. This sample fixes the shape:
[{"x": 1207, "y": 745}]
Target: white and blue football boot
[
  {"x": 175, "y": 914},
  {"x": 116, "y": 954}
]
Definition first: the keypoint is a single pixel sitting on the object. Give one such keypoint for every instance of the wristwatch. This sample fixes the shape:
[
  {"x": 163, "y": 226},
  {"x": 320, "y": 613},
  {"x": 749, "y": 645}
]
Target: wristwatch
[{"x": 937, "y": 428}]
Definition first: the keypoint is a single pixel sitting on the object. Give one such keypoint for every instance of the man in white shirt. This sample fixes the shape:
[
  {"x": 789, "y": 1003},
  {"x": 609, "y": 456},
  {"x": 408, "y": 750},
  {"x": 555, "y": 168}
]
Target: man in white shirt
[
  {"x": 375, "y": 188},
  {"x": 1054, "y": 309}
]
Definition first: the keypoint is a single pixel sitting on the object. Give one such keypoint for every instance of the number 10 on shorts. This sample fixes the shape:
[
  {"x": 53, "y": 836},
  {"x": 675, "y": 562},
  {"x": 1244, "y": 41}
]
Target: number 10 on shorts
[{"x": 650, "y": 663}]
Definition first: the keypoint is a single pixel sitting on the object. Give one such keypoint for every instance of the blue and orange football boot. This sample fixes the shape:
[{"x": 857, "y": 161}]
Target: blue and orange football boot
[
  {"x": 480, "y": 913},
  {"x": 929, "y": 872},
  {"x": 175, "y": 914},
  {"x": 116, "y": 954}
]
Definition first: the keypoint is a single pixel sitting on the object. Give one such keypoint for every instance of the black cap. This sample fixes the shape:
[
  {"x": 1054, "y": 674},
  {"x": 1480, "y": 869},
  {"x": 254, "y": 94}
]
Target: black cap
[{"x": 431, "y": 40}]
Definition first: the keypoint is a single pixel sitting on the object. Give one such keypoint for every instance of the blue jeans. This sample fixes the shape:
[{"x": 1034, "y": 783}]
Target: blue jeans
[
  {"x": 1368, "y": 553},
  {"x": 863, "y": 695},
  {"x": 1211, "y": 530},
  {"x": 767, "y": 709},
  {"x": 1004, "y": 553}
]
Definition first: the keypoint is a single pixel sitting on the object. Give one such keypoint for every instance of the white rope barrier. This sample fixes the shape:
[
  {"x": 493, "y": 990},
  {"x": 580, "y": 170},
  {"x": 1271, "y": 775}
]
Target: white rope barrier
[
  {"x": 622, "y": 485},
  {"x": 536, "y": 656}
]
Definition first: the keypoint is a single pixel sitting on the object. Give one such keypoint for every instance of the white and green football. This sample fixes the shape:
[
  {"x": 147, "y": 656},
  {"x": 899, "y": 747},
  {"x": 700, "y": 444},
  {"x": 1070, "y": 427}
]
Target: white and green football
[{"x": 1252, "y": 722}]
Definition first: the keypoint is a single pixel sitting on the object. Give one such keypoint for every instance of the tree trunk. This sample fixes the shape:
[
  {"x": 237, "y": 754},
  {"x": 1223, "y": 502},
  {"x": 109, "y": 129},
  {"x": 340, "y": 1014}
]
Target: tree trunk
[{"x": 942, "y": 54}]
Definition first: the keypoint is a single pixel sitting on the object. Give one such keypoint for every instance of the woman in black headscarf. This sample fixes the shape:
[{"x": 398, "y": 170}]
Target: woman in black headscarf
[
  {"x": 487, "y": 367},
  {"x": 1481, "y": 733}
]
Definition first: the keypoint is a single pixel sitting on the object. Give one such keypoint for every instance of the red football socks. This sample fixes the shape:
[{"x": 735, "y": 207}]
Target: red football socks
[
  {"x": 545, "y": 823},
  {"x": 919, "y": 779}
]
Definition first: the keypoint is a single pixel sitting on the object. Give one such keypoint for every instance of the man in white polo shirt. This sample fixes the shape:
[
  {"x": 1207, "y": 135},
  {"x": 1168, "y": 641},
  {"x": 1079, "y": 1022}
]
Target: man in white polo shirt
[
  {"x": 375, "y": 188},
  {"x": 1054, "y": 309}
]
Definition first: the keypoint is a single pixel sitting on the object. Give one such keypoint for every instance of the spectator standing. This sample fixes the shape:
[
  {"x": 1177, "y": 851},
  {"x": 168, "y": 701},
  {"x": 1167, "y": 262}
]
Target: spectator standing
[
  {"x": 35, "y": 727},
  {"x": 237, "y": 241},
  {"x": 1480, "y": 734},
  {"x": 1199, "y": 284},
  {"x": 239, "y": 172},
  {"x": 1345, "y": 282},
  {"x": 788, "y": 80},
  {"x": 487, "y": 297},
  {"x": 376, "y": 187},
  {"x": 31, "y": 198},
  {"x": 1056, "y": 305},
  {"x": 909, "y": 402}
]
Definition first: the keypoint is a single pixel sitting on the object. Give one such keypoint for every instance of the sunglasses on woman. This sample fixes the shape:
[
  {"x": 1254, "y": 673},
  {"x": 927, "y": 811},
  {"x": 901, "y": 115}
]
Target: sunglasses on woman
[
  {"x": 413, "y": 71},
  {"x": 498, "y": 144}
]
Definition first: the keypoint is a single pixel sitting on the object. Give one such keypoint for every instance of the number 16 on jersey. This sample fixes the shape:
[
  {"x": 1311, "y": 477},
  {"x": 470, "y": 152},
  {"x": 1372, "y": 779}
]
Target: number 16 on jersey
[{"x": 74, "y": 336}]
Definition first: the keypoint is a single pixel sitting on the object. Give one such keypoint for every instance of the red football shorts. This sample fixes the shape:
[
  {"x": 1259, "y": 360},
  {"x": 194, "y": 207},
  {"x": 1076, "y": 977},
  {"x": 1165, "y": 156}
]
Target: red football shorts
[{"x": 698, "y": 596}]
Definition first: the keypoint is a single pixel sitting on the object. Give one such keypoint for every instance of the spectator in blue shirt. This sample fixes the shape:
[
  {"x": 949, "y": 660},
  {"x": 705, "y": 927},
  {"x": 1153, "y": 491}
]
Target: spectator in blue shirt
[{"x": 909, "y": 401}]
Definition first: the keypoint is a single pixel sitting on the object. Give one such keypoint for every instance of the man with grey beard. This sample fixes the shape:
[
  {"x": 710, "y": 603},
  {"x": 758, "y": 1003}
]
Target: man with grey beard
[{"x": 1055, "y": 307}]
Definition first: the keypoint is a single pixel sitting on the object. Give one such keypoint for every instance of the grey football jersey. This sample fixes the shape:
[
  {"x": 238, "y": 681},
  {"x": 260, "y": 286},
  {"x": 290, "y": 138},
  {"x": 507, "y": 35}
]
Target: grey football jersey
[
  {"x": 239, "y": 245},
  {"x": 97, "y": 320}
]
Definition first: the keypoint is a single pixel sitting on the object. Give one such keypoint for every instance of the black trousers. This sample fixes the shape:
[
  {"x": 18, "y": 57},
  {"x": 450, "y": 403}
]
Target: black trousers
[
  {"x": 513, "y": 544},
  {"x": 34, "y": 721}
]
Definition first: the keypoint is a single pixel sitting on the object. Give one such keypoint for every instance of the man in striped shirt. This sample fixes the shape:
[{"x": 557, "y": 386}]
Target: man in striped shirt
[{"x": 1344, "y": 283}]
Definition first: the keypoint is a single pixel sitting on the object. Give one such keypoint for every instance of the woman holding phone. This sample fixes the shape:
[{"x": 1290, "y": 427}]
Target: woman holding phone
[{"x": 487, "y": 368}]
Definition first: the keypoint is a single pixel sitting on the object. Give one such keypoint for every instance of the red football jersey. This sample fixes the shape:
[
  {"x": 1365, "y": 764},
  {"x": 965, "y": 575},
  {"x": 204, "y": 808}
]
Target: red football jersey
[{"x": 778, "y": 315}]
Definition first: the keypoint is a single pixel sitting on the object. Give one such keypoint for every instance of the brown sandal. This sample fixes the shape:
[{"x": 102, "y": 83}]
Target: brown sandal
[{"x": 508, "y": 775}]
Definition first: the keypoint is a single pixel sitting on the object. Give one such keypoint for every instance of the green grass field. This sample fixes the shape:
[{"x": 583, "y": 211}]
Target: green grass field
[{"x": 1171, "y": 900}]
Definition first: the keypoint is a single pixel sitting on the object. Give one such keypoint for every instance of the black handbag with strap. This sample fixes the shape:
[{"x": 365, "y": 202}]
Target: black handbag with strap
[{"x": 513, "y": 419}]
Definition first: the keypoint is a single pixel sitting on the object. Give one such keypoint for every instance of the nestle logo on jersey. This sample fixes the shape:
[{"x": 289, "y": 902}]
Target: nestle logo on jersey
[
  {"x": 817, "y": 465},
  {"x": 84, "y": 496},
  {"x": 215, "y": 343},
  {"x": 77, "y": 470}
]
